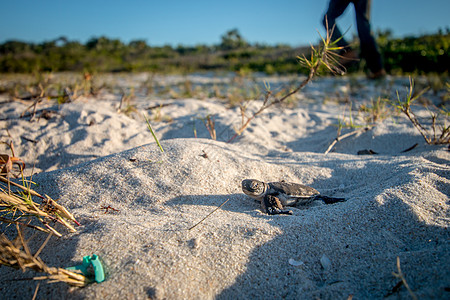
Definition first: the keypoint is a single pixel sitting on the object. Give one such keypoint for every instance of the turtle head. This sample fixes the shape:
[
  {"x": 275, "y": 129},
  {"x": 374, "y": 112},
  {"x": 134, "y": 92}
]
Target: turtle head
[{"x": 254, "y": 188}]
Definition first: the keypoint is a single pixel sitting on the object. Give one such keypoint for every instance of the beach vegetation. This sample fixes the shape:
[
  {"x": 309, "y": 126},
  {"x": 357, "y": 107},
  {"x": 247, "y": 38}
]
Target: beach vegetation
[
  {"x": 210, "y": 125},
  {"x": 39, "y": 87},
  {"x": 446, "y": 96},
  {"x": 125, "y": 104},
  {"x": 18, "y": 206},
  {"x": 19, "y": 203},
  {"x": 232, "y": 40},
  {"x": 322, "y": 57},
  {"x": 242, "y": 88},
  {"x": 157, "y": 115},
  {"x": 349, "y": 123},
  {"x": 17, "y": 254},
  {"x": 436, "y": 128},
  {"x": 375, "y": 111},
  {"x": 427, "y": 53},
  {"x": 153, "y": 133}
]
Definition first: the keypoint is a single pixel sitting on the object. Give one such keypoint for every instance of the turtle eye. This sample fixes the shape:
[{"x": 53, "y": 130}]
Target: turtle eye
[{"x": 254, "y": 185}]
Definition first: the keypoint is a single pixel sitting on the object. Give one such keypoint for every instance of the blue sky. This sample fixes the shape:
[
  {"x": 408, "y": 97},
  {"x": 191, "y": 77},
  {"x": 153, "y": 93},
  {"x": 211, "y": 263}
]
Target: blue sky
[{"x": 191, "y": 22}]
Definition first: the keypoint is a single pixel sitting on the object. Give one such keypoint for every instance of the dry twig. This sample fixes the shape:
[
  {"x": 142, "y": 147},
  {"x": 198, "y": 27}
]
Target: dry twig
[
  {"x": 400, "y": 275},
  {"x": 341, "y": 137},
  {"x": 209, "y": 214}
]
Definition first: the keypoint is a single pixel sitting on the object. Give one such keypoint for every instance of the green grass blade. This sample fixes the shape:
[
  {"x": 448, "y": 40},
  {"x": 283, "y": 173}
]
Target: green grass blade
[{"x": 153, "y": 133}]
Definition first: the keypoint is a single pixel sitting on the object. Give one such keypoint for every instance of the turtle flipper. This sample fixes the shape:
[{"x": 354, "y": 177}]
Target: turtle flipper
[
  {"x": 272, "y": 206},
  {"x": 329, "y": 200}
]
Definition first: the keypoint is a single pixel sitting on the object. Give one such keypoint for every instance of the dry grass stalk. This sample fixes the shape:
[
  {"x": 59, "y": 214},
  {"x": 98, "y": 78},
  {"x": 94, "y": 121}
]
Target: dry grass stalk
[
  {"x": 33, "y": 193},
  {"x": 223, "y": 203},
  {"x": 376, "y": 111},
  {"x": 210, "y": 126},
  {"x": 126, "y": 99},
  {"x": 19, "y": 204},
  {"x": 400, "y": 275},
  {"x": 16, "y": 254},
  {"x": 15, "y": 206},
  {"x": 35, "y": 103}
]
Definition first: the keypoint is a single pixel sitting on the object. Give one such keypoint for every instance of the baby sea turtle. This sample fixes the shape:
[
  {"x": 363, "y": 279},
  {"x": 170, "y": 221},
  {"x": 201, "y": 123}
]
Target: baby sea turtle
[{"x": 274, "y": 196}]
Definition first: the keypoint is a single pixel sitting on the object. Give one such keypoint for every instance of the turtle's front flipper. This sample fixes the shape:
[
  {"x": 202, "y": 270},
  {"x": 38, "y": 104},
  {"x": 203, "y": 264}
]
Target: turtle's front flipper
[
  {"x": 272, "y": 205},
  {"x": 329, "y": 200}
]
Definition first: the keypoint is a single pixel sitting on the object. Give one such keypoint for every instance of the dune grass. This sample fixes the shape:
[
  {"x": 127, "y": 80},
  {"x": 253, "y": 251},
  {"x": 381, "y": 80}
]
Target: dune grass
[
  {"x": 438, "y": 129},
  {"x": 19, "y": 207},
  {"x": 16, "y": 254},
  {"x": 18, "y": 204}
]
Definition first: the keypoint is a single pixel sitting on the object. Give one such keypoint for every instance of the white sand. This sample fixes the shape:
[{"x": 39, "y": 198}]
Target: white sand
[{"x": 398, "y": 203}]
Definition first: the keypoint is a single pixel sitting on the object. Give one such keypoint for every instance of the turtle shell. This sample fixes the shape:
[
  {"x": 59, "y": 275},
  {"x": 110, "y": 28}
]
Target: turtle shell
[
  {"x": 289, "y": 193},
  {"x": 291, "y": 189}
]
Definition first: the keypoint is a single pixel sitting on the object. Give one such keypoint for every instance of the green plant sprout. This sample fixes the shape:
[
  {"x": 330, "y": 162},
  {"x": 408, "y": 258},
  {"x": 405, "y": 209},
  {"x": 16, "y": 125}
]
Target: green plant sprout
[
  {"x": 440, "y": 132},
  {"x": 376, "y": 111},
  {"x": 153, "y": 133},
  {"x": 344, "y": 123}
]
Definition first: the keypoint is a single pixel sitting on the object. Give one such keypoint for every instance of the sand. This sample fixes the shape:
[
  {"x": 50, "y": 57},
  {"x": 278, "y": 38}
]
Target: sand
[{"x": 90, "y": 156}]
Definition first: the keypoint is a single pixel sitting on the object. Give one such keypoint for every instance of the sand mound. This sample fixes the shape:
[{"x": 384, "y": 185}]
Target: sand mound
[{"x": 397, "y": 205}]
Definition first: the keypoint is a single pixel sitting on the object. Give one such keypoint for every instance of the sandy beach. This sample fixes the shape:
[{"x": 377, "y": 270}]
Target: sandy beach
[{"x": 89, "y": 155}]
